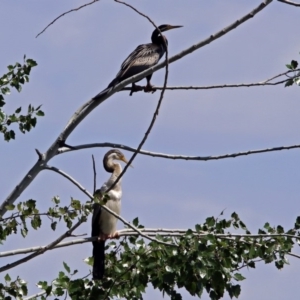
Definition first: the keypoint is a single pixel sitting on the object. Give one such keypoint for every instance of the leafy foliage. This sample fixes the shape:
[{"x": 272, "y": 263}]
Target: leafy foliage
[
  {"x": 208, "y": 259},
  {"x": 16, "y": 76},
  {"x": 16, "y": 289},
  {"x": 296, "y": 78},
  {"x": 27, "y": 211}
]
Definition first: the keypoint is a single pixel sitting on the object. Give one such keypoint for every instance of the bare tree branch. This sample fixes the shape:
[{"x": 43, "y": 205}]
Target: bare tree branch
[
  {"x": 234, "y": 85},
  {"x": 179, "y": 157},
  {"x": 152, "y": 232},
  {"x": 85, "y": 191},
  {"x": 43, "y": 249},
  {"x": 295, "y": 255},
  {"x": 137, "y": 11},
  {"x": 282, "y": 74},
  {"x": 65, "y": 13},
  {"x": 34, "y": 296},
  {"x": 95, "y": 174},
  {"x": 157, "y": 107},
  {"x": 289, "y": 2},
  {"x": 62, "y": 173},
  {"x": 89, "y": 106}
]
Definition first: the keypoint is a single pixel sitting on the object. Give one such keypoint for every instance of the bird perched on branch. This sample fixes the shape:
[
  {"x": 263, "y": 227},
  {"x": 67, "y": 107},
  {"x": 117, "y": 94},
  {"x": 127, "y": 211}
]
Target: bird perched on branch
[
  {"x": 142, "y": 58},
  {"x": 104, "y": 223}
]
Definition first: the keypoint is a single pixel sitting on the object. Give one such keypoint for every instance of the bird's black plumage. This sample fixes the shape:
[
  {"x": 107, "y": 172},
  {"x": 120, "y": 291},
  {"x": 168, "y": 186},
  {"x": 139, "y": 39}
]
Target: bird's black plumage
[
  {"x": 98, "y": 246},
  {"x": 142, "y": 58}
]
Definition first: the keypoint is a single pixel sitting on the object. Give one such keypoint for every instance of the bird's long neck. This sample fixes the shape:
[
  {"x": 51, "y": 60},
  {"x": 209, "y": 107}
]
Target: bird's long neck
[
  {"x": 115, "y": 169},
  {"x": 158, "y": 39}
]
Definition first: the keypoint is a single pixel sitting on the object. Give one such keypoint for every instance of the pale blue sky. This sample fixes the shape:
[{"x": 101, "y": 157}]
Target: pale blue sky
[{"x": 82, "y": 52}]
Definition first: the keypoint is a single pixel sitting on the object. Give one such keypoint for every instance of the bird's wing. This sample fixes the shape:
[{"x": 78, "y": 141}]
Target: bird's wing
[
  {"x": 95, "y": 219},
  {"x": 144, "y": 55},
  {"x": 97, "y": 211}
]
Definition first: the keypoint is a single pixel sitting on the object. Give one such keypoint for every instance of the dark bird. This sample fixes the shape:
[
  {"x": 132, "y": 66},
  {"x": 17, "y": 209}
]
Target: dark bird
[
  {"x": 104, "y": 223},
  {"x": 142, "y": 58}
]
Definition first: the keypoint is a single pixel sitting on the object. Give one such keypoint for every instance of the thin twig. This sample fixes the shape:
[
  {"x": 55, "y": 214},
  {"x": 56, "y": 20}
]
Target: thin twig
[
  {"x": 220, "y": 86},
  {"x": 289, "y": 2},
  {"x": 158, "y": 104},
  {"x": 281, "y": 74},
  {"x": 86, "y": 192},
  {"x": 65, "y": 13},
  {"x": 95, "y": 174},
  {"x": 246, "y": 265},
  {"x": 179, "y": 157},
  {"x": 20, "y": 215},
  {"x": 35, "y": 295},
  {"x": 292, "y": 254},
  {"x": 43, "y": 249},
  {"x": 82, "y": 188},
  {"x": 153, "y": 232}
]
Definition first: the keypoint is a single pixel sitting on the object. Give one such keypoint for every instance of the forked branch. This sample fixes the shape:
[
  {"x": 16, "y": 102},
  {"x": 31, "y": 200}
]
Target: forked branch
[{"x": 89, "y": 106}]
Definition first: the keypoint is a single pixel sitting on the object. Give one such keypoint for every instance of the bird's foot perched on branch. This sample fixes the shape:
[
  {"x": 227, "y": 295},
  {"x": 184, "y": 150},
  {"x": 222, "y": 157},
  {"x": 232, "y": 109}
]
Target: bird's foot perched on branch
[
  {"x": 149, "y": 88},
  {"x": 135, "y": 88},
  {"x": 104, "y": 237}
]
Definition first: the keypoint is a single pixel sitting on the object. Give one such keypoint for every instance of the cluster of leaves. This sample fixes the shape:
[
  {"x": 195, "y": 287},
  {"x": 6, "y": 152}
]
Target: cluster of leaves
[
  {"x": 16, "y": 76},
  {"x": 206, "y": 259},
  {"x": 16, "y": 288},
  {"x": 68, "y": 214},
  {"x": 27, "y": 211},
  {"x": 59, "y": 286},
  {"x": 296, "y": 78}
]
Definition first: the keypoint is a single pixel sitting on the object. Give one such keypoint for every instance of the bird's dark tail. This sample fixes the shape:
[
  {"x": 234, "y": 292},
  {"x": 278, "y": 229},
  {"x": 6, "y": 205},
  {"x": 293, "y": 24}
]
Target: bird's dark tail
[
  {"x": 99, "y": 259},
  {"x": 114, "y": 82},
  {"x": 109, "y": 87},
  {"x": 105, "y": 91}
]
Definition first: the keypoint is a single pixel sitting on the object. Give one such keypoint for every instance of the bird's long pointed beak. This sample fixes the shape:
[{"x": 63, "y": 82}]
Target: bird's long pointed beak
[
  {"x": 175, "y": 26},
  {"x": 125, "y": 161}
]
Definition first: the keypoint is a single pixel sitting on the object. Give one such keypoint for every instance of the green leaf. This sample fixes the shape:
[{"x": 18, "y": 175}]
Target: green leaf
[
  {"x": 56, "y": 199},
  {"x": 238, "y": 277},
  {"x": 289, "y": 66},
  {"x": 67, "y": 268},
  {"x": 23, "y": 290},
  {"x": 24, "y": 232},
  {"x": 289, "y": 82},
  {"x": 10, "y": 206},
  {"x": 294, "y": 64},
  {"x": 36, "y": 222},
  {"x": 75, "y": 204},
  {"x": 235, "y": 216},
  {"x": 5, "y": 90},
  {"x": 280, "y": 229},
  {"x": 251, "y": 264},
  {"x": 40, "y": 113},
  {"x": 210, "y": 221},
  {"x": 198, "y": 227},
  {"x": 89, "y": 260},
  {"x": 7, "y": 277},
  {"x": 53, "y": 225},
  {"x": 236, "y": 290},
  {"x": 31, "y": 62},
  {"x": 297, "y": 80},
  {"x": 135, "y": 222},
  {"x": 279, "y": 264},
  {"x": 30, "y": 203},
  {"x": 18, "y": 110}
]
